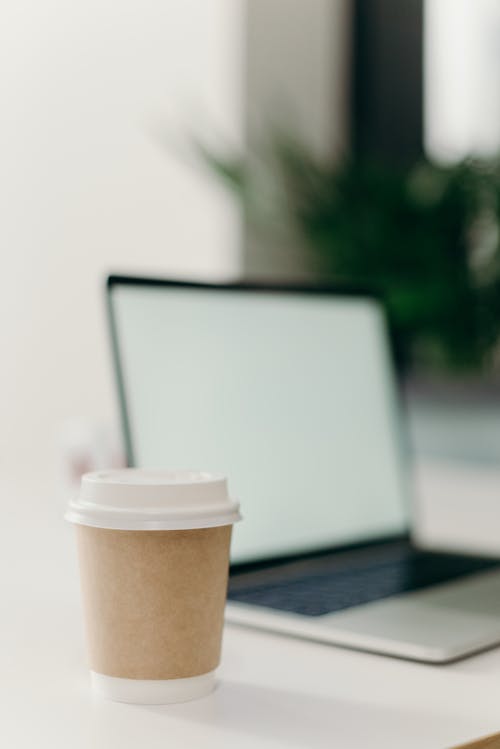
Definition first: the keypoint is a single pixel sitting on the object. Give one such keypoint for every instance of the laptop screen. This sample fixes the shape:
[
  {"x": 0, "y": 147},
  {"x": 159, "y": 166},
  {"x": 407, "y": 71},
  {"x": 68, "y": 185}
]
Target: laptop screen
[{"x": 288, "y": 393}]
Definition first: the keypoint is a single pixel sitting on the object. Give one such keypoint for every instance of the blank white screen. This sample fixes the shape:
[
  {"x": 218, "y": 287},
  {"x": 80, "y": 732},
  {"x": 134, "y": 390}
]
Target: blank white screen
[{"x": 288, "y": 394}]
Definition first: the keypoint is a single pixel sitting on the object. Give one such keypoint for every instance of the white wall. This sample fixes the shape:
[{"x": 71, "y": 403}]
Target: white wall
[
  {"x": 298, "y": 69},
  {"x": 86, "y": 185},
  {"x": 462, "y": 78}
]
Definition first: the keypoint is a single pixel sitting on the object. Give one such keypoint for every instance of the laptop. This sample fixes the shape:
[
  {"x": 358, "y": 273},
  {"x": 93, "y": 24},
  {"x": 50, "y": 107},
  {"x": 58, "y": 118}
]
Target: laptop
[{"x": 291, "y": 393}]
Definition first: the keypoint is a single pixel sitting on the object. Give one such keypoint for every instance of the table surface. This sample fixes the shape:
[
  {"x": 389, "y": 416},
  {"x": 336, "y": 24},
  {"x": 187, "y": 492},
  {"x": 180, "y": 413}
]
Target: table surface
[{"x": 273, "y": 691}]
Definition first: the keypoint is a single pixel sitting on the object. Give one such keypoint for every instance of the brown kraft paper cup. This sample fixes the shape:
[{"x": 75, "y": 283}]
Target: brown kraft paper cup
[
  {"x": 154, "y": 600},
  {"x": 154, "y": 560}
]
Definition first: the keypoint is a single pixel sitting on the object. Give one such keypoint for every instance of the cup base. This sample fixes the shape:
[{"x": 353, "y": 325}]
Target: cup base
[{"x": 152, "y": 691}]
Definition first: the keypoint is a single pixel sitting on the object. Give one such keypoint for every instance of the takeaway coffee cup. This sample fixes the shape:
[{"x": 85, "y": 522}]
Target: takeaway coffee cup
[{"x": 154, "y": 556}]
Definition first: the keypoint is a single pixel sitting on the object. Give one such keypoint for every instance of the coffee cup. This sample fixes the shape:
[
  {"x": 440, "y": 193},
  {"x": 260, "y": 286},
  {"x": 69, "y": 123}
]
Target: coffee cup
[{"x": 154, "y": 557}]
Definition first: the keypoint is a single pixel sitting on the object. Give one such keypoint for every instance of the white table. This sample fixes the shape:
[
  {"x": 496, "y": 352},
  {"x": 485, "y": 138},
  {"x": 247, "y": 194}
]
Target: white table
[{"x": 273, "y": 691}]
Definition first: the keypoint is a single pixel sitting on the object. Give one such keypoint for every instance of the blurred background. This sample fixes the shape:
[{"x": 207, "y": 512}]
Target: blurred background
[{"x": 319, "y": 140}]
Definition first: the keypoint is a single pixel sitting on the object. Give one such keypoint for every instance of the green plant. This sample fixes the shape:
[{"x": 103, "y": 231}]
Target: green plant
[{"x": 426, "y": 238}]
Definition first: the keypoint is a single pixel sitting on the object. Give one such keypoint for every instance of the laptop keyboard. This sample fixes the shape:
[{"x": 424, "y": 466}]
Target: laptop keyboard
[{"x": 314, "y": 593}]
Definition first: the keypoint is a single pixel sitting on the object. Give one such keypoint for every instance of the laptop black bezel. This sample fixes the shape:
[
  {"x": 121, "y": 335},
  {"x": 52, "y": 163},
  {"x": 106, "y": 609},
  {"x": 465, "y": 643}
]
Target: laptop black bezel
[{"x": 345, "y": 290}]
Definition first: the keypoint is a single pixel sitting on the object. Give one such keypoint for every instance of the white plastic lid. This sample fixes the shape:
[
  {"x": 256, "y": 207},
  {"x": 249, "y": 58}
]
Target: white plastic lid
[{"x": 142, "y": 499}]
